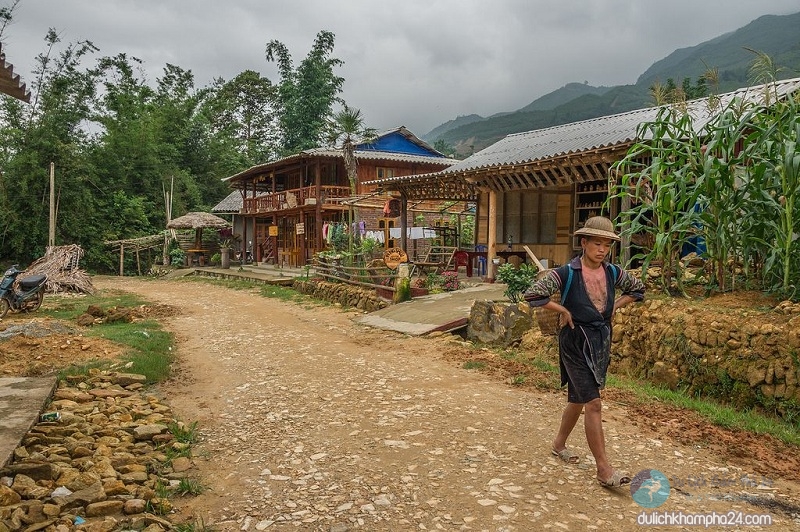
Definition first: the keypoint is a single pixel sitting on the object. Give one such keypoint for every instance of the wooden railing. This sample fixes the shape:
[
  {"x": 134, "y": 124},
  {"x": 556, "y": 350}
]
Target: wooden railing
[
  {"x": 289, "y": 199},
  {"x": 358, "y": 275}
]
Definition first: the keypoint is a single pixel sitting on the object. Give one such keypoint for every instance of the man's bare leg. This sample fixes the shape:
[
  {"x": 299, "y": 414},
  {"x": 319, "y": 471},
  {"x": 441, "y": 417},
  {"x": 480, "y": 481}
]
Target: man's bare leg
[
  {"x": 593, "y": 424},
  {"x": 569, "y": 418}
]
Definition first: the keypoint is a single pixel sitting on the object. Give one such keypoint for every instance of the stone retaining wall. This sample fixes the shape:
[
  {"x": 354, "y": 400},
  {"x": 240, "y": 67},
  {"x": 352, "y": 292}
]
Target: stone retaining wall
[
  {"x": 747, "y": 357},
  {"x": 742, "y": 357},
  {"x": 342, "y": 294}
]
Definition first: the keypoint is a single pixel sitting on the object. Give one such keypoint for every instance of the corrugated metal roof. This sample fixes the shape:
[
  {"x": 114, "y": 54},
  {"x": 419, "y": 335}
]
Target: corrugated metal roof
[
  {"x": 593, "y": 134},
  {"x": 232, "y": 203},
  {"x": 371, "y": 155}
]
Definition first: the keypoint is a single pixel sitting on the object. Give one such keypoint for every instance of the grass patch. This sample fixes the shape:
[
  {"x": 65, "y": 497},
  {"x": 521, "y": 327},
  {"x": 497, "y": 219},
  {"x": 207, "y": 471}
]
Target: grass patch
[
  {"x": 518, "y": 379},
  {"x": 190, "y": 486},
  {"x": 184, "y": 433},
  {"x": 150, "y": 349},
  {"x": 283, "y": 293},
  {"x": 68, "y": 308},
  {"x": 233, "y": 284},
  {"x": 543, "y": 365},
  {"x": 724, "y": 416},
  {"x": 474, "y": 364},
  {"x": 273, "y": 291}
]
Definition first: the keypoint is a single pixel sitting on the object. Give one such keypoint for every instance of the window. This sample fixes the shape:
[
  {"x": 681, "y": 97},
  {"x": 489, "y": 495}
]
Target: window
[{"x": 384, "y": 173}]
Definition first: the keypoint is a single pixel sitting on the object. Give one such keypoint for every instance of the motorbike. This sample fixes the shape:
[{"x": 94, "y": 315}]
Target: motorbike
[{"x": 26, "y": 296}]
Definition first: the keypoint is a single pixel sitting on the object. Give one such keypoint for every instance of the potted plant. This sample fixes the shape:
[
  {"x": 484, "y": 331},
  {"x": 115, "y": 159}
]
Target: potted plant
[
  {"x": 227, "y": 241},
  {"x": 418, "y": 287},
  {"x": 225, "y": 254}
]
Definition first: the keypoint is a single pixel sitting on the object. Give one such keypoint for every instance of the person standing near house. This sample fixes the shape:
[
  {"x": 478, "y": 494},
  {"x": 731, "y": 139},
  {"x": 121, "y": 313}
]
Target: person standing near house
[{"x": 588, "y": 287}]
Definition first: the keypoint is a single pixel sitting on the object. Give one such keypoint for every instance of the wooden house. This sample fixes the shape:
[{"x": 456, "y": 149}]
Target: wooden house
[
  {"x": 535, "y": 189},
  {"x": 284, "y": 210}
]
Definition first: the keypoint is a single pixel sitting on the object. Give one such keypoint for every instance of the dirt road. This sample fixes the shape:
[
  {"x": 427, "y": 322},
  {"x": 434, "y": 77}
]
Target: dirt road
[{"x": 312, "y": 422}]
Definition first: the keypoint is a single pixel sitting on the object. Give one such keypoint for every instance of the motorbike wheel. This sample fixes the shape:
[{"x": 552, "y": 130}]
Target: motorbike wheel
[
  {"x": 4, "y": 306},
  {"x": 34, "y": 304}
]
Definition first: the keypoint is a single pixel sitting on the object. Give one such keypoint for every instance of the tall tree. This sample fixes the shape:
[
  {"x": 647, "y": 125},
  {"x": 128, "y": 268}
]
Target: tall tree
[
  {"x": 242, "y": 112},
  {"x": 49, "y": 130},
  {"x": 344, "y": 131},
  {"x": 305, "y": 95}
]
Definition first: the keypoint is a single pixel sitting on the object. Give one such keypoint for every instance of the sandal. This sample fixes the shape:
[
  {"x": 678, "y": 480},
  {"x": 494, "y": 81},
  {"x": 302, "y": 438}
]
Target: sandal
[
  {"x": 616, "y": 480},
  {"x": 567, "y": 456}
]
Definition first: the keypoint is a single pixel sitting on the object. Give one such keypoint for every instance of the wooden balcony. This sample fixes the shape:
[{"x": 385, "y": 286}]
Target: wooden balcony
[{"x": 292, "y": 199}]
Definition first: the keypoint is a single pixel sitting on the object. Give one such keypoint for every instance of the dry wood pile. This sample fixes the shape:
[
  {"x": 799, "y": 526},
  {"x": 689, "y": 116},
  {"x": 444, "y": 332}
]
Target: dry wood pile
[{"x": 60, "y": 264}]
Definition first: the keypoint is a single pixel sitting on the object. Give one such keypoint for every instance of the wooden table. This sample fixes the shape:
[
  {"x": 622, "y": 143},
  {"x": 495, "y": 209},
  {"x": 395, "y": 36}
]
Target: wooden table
[
  {"x": 484, "y": 254},
  {"x": 197, "y": 254},
  {"x": 506, "y": 254}
]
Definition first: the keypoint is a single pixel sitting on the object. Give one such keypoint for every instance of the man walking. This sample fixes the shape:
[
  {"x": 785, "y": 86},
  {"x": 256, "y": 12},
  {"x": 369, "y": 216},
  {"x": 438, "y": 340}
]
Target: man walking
[{"x": 588, "y": 287}]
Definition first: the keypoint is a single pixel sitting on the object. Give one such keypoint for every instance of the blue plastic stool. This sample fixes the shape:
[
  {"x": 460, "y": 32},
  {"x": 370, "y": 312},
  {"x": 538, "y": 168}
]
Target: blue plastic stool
[{"x": 481, "y": 260}]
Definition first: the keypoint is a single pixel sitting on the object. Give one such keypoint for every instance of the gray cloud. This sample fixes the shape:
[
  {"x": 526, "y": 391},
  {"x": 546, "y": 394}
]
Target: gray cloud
[{"x": 416, "y": 63}]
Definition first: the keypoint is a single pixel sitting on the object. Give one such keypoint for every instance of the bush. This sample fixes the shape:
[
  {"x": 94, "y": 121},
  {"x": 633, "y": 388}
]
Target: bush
[
  {"x": 176, "y": 256},
  {"x": 517, "y": 279}
]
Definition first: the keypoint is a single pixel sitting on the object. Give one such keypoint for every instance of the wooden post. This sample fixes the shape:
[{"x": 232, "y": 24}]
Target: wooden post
[
  {"x": 491, "y": 269},
  {"x": 138, "y": 264},
  {"x": 626, "y": 240},
  {"x": 319, "y": 242},
  {"x": 121, "y": 259},
  {"x": 404, "y": 223},
  {"x": 51, "y": 238}
]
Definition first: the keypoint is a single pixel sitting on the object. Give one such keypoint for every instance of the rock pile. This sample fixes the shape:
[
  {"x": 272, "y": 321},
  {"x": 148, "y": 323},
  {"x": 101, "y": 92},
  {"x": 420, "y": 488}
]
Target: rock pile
[{"x": 108, "y": 462}]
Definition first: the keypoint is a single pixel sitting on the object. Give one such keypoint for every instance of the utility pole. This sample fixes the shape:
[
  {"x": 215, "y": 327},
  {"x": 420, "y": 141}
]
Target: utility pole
[
  {"x": 51, "y": 239},
  {"x": 168, "y": 211}
]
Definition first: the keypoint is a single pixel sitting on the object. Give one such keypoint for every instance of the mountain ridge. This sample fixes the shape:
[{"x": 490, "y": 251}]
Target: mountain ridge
[{"x": 778, "y": 36}]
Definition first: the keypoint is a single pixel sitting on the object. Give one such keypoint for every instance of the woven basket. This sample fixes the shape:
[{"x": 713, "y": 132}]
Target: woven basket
[{"x": 549, "y": 322}]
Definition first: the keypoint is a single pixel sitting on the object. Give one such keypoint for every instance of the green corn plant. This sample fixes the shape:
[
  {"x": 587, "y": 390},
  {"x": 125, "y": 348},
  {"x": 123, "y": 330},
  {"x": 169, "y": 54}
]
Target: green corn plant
[
  {"x": 773, "y": 154},
  {"x": 659, "y": 175}
]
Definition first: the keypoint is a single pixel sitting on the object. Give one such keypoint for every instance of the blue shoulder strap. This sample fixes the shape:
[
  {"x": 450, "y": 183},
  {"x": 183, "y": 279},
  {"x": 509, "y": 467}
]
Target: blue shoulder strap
[
  {"x": 566, "y": 285},
  {"x": 614, "y": 273}
]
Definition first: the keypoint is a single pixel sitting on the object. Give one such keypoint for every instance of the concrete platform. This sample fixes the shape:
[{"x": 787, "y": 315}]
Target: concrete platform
[
  {"x": 447, "y": 311},
  {"x": 21, "y": 401}
]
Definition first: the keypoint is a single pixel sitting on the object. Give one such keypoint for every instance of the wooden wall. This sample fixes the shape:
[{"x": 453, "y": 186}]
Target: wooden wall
[{"x": 515, "y": 212}]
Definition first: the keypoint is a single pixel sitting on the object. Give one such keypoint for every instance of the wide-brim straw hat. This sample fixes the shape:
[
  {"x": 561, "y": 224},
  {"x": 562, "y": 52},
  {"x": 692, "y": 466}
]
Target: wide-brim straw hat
[{"x": 598, "y": 226}]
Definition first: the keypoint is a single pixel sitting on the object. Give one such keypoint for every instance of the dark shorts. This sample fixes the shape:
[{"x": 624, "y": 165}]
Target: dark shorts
[{"x": 575, "y": 372}]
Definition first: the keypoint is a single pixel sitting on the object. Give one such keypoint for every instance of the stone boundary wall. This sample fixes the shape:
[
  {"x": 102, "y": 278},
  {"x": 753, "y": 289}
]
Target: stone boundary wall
[
  {"x": 743, "y": 357},
  {"x": 342, "y": 294}
]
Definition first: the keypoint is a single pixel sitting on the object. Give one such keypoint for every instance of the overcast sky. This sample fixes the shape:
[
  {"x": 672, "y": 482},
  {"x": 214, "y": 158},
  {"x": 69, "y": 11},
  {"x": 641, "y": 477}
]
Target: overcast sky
[{"x": 416, "y": 63}]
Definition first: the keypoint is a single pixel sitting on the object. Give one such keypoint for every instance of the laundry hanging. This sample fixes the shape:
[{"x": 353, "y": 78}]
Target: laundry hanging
[{"x": 391, "y": 209}]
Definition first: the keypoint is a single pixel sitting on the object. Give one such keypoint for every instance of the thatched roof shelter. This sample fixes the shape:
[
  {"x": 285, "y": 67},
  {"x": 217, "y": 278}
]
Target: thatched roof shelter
[{"x": 198, "y": 221}]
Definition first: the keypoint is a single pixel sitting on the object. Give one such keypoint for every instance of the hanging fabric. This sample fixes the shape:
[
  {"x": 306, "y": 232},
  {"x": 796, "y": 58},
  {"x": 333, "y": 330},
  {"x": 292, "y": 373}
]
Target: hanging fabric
[{"x": 391, "y": 209}]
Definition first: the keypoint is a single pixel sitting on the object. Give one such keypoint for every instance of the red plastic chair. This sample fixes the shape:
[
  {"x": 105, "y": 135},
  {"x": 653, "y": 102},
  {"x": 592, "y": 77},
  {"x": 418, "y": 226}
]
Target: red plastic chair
[{"x": 460, "y": 258}]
